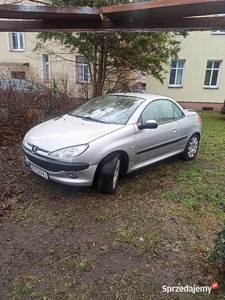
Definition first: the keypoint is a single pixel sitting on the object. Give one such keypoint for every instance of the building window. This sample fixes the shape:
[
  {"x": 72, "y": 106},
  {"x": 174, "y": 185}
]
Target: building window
[
  {"x": 16, "y": 41},
  {"x": 46, "y": 67},
  {"x": 218, "y": 32},
  {"x": 176, "y": 73},
  {"x": 18, "y": 75},
  {"x": 143, "y": 87},
  {"x": 212, "y": 74},
  {"x": 81, "y": 69}
]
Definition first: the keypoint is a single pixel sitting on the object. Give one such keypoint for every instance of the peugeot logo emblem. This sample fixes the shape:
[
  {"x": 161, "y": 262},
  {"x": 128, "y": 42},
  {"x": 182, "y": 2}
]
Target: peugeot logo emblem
[{"x": 34, "y": 149}]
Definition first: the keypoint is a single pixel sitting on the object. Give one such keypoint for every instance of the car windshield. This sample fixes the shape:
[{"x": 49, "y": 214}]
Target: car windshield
[{"x": 110, "y": 109}]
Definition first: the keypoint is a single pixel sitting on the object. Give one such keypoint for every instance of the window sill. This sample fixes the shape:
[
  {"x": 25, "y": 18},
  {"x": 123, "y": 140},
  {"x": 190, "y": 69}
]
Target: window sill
[
  {"x": 175, "y": 86},
  {"x": 17, "y": 50},
  {"x": 210, "y": 87},
  {"x": 218, "y": 33}
]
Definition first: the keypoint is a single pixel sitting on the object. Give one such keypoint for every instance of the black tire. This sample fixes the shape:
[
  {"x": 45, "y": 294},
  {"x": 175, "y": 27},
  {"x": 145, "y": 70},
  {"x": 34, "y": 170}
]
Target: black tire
[
  {"x": 109, "y": 175},
  {"x": 191, "y": 148}
]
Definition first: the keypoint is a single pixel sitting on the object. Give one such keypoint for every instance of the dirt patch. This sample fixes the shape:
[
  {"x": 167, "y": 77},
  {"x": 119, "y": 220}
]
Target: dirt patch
[{"x": 66, "y": 243}]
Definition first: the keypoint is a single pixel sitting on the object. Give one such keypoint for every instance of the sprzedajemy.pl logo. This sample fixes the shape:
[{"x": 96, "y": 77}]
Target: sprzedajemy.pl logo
[{"x": 190, "y": 288}]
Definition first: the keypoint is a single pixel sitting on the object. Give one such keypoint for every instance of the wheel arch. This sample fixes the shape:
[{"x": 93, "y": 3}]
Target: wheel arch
[
  {"x": 124, "y": 161},
  {"x": 198, "y": 134},
  {"x": 185, "y": 155}
]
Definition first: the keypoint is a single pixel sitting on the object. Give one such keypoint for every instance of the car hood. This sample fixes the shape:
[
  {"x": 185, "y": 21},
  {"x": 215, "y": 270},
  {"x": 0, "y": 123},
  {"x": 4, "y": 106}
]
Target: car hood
[{"x": 67, "y": 131}]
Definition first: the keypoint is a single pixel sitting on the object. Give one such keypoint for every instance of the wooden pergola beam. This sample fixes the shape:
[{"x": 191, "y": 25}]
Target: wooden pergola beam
[
  {"x": 38, "y": 12},
  {"x": 159, "y": 15},
  {"x": 176, "y": 24},
  {"x": 164, "y": 9}
]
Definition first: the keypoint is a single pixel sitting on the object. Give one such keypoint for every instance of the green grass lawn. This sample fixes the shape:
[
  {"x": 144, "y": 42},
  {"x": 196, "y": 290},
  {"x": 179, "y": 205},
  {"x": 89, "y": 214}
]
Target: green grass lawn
[{"x": 159, "y": 228}]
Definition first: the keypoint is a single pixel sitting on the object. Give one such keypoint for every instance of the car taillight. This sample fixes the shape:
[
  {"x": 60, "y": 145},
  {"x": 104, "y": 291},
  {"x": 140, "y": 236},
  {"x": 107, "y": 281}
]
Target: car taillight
[{"x": 200, "y": 119}]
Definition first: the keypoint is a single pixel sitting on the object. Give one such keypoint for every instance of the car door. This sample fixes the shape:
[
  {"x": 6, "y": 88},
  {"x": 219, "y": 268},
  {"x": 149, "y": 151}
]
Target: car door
[{"x": 161, "y": 141}]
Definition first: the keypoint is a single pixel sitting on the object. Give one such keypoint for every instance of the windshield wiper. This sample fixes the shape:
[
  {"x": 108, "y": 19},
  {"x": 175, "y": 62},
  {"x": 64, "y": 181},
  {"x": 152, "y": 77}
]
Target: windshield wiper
[
  {"x": 87, "y": 118},
  {"x": 77, "y": 116},
  {"x": 92, "y": 119}
]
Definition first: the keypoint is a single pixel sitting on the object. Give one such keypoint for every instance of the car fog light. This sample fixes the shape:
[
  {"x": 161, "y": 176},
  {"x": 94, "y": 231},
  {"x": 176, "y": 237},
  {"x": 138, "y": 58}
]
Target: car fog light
[{"x": 73, "y": 175}]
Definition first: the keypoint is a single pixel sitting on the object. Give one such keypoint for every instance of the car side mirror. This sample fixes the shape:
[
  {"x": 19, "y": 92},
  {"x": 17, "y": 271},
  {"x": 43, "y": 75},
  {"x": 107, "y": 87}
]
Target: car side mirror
[{"x": 149, "y": 124}]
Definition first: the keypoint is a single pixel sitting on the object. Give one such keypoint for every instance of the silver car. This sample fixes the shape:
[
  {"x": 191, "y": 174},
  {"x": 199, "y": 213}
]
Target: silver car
[
  {"x": 111, "y": 135},
  {"x": 18, "y": 85}
]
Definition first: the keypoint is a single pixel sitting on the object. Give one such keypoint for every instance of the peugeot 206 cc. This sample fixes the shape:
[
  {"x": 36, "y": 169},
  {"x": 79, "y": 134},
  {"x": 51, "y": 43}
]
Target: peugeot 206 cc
[{"x": 111, "y": 135}]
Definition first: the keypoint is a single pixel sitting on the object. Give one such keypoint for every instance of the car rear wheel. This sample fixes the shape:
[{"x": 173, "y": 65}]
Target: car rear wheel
[
  {"x": 191, "y": 148},
  {"x": 109, "y": 175}
]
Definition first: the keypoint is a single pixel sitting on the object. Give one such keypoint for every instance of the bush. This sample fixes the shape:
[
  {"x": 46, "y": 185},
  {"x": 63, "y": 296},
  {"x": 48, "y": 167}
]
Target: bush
[
  {"x": 20, "y": 110},
  {"x": 219, "y": 251},
  {"x": 16, "y": 108},
  {"x": 56, "y": 103},
  {"x": 22, "y": 107}
]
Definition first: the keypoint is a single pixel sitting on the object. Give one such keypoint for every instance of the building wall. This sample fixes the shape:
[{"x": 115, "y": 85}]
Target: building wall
[
  {"x": 62, "y": 66},
  {"x": 197, "y": 48}
]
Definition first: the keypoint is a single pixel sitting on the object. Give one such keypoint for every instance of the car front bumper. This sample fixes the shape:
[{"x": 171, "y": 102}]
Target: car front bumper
[{"x": 74, "y": 174}]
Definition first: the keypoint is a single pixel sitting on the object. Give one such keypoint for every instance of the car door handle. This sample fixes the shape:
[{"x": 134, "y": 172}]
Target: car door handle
[{"x": 174, "y": 129}]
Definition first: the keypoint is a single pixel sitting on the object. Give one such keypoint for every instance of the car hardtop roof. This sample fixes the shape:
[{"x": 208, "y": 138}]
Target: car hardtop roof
[
  {"x": 142, "y": 95},
  {"x": 15, "y": 80},
  {"x": 12, "y": 79}
]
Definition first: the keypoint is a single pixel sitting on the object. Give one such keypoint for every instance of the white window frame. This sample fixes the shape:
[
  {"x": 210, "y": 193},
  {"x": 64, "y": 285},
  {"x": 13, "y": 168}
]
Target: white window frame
[
  {"x": 81, "y": 66},
  {"x": 218, "y": 32},
  {"x": 177, "y": 69},
  {"x": 46, "y": 67},
  {"x": 212, "y": 69},
  {"x": 18, "y": 35}
]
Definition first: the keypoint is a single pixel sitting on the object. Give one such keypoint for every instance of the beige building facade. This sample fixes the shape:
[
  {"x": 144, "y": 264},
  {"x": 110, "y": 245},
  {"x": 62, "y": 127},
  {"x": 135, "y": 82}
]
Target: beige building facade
[
  {"x": 50, "y": 62},
  {"x": 19, "y": 60},
  {"x": 197, "y": 78}
]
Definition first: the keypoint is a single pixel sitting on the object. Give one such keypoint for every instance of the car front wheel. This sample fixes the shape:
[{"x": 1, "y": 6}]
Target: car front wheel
[
  {"x": 109, "y": 175},
  {"x": 191, "y": 148}
]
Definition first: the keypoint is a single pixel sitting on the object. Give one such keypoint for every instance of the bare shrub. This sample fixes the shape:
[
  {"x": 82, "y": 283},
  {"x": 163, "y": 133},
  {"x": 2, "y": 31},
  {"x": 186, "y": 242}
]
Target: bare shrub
[
  {"x": 22, "y": 109},
  {"x": 43, "y": 102},
  {"x": 55, "y": 102},
  {"x": 17, "y": 108}
]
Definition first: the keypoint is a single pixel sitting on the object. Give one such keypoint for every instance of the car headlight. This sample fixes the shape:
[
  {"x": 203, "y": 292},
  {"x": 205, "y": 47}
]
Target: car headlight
[{"x": 68, "y": 154}]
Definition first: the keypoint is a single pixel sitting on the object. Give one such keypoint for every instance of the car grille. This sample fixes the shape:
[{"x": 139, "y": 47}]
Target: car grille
[{"x": 52, "y": 165}]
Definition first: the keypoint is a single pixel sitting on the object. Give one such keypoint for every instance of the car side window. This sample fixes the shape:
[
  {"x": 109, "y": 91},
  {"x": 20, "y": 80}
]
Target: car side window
[
  {"x": 166, "y": 111},
  {"x": 151, "y": 112},
  {"x": 27, "y": 86},
  {"x": 177, "y": 112},
  {"x": 162, "y": 111},
  {"x": 19, "y": 84}
]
